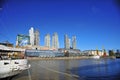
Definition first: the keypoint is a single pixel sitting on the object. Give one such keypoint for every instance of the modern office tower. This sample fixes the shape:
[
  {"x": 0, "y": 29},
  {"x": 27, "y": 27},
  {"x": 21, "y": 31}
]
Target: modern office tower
[
  {"x": 47, "y": 40},
  {"x": 55, "y": 41},
  {"x": 74, "y": 42},
  {"x": 22, "y": 40},
  {"x": 66, "y": 42},
  {"x": 37, "y": 38},
  {"x": 32, "y": 37}
]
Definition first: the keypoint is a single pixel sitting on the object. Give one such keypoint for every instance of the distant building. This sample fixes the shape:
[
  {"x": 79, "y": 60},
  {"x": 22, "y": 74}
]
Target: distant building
[
  {"x": 74, "y": 42},
  {"x": 22, "y": 40},
  {"x": 69, "y": 43},
  {"x": 32, "y": 36},
  {"x": 55, "y": 41},
  {"x": 71, "y": 52},
  {"x": 47, "y": 40},
  {"x": 6, "y": 43},
  {"x": 37, "y": 39},
  {"x": 43, "y": 53},
  {"x": 66, "y": 42}
]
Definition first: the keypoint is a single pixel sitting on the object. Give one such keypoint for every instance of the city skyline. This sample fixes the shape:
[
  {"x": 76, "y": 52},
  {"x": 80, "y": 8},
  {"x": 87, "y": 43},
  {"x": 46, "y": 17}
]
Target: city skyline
[
  {"x": 52, "y": 42},
  {"x": 95, "y": 23}
]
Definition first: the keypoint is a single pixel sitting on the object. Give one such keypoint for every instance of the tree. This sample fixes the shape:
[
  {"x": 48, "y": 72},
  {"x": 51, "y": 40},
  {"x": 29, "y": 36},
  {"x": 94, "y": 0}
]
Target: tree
[
  {"x": 111, "y": 53},
  {"x": 104, "y": 53},
  {"x": 117, "y": 52},
  {"x": 67, "y": 54}
]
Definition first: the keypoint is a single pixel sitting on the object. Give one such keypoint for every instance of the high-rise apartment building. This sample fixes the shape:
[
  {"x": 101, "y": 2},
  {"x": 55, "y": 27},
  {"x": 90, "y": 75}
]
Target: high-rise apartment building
[
  {"x": 74, "y": 42},
  {"x": 55, "y": 41},
  {"x": 47, "y": 40},
  {"x": 37, "y": 38},
  {"x": 32, "y": 37},
  {"x": 69, "y": 43},
  {"x": 66, "y": 42}
]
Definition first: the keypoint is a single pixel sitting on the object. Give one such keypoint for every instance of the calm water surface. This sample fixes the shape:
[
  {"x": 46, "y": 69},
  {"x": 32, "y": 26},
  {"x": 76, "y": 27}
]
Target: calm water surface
[{"x": 85, "y": 69}]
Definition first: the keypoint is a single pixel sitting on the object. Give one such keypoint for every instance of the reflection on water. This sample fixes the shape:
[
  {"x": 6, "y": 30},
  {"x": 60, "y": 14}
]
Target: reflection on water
[{"x": 85, "y": 69}]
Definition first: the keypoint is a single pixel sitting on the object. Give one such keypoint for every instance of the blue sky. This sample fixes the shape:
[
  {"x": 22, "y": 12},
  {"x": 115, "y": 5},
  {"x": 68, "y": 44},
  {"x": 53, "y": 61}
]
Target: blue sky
[{"x": 96, "y": 23}]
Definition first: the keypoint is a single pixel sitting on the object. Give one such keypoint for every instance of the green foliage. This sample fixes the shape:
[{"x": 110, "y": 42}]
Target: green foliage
[
  {"x": 111, "y": 53},
  {"x": 66, "y": 54}
]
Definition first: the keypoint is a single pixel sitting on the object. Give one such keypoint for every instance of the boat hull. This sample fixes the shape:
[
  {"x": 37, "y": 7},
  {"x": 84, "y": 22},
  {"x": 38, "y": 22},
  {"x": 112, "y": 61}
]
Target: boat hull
[{"x": 12, "y": 67}]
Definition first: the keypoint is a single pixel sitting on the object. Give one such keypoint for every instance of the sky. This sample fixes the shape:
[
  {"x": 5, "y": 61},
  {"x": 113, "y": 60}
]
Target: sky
[{"x": 95, "y": 23}]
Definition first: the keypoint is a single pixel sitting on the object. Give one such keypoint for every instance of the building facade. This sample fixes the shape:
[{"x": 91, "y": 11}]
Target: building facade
[
  {"x": 32, "y": 36},
  {"x": 47, "y": 40},
  {"x": 55, "y": 41},
  {"x": 66, "y": 42},
  {"x": 37, "y": 38},
  {"x": 44, "y": 53},
  {"x": 74, "y": 42},
  {"x": 22, "y": 40}
]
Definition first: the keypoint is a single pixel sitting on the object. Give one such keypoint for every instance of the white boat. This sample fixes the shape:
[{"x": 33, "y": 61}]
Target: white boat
[
  {"x": 96, "y": 56},
  {"x": 12, "y": 61}
]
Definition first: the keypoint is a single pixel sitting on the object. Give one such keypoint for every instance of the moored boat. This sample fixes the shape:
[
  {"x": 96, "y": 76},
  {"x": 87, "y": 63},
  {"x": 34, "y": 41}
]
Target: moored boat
[
  {"x": 12, "y": 61},
  {"x": 96, "y": 56}
]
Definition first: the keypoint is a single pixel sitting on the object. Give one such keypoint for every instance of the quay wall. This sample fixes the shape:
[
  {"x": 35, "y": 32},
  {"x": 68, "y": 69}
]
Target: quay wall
[{"x": 63, "y": 58}]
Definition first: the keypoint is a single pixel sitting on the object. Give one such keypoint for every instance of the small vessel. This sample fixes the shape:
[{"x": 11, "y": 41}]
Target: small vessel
[
  {"x": 96, "y": 56},
  {"x": 12, "y": 61},
  {"x": 117, "y": 56}
]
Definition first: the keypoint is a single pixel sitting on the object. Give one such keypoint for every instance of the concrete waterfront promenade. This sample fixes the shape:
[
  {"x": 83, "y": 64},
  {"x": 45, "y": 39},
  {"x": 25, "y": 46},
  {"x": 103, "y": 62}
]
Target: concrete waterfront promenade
[{"x": 60, "y": 58}]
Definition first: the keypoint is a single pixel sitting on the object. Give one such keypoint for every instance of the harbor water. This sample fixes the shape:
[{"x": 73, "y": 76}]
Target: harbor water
[{"x": 72, "y": 69}]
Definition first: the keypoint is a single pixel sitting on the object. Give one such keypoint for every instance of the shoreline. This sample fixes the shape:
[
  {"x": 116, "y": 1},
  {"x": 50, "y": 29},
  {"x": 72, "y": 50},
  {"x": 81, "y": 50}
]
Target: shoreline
[{"x": 65, "y": 58}]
